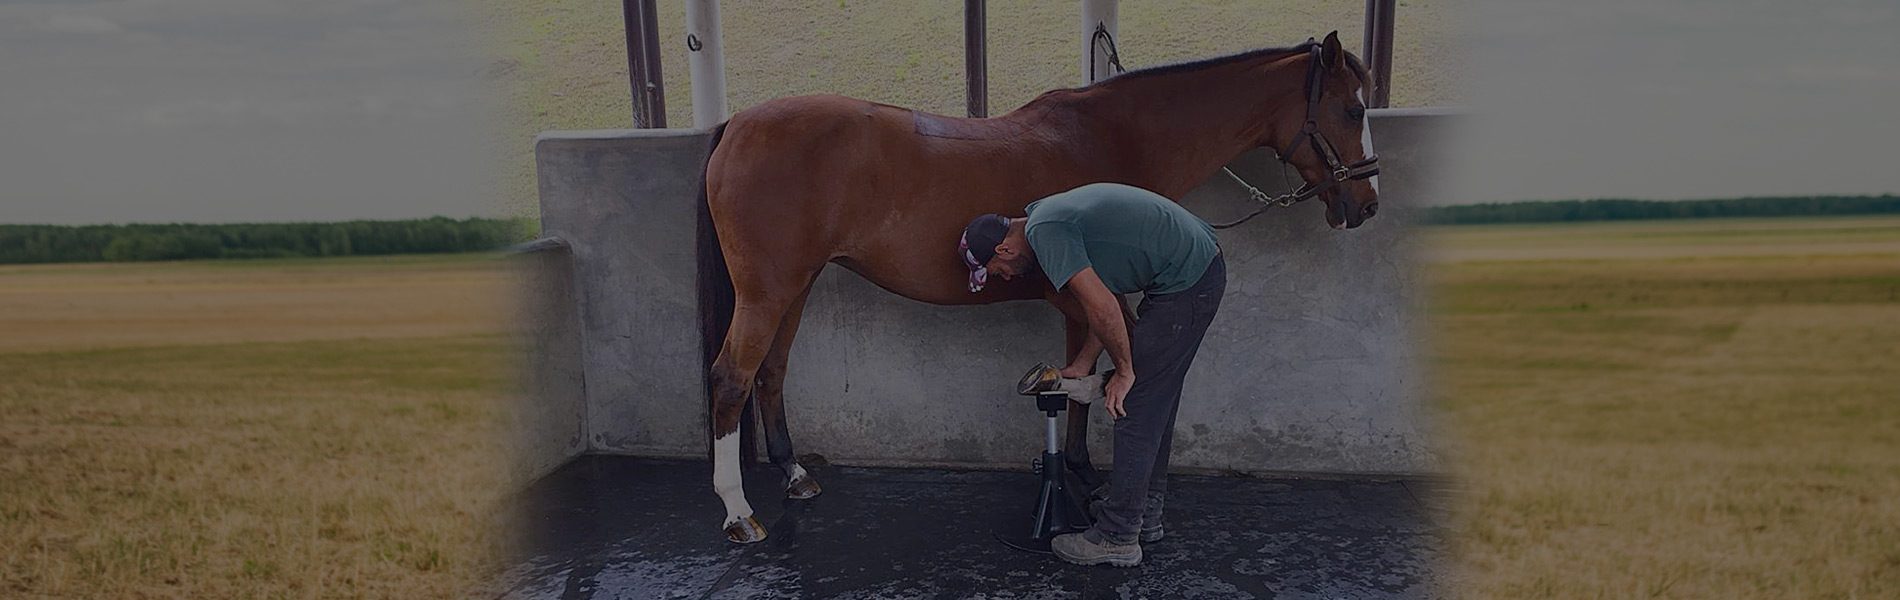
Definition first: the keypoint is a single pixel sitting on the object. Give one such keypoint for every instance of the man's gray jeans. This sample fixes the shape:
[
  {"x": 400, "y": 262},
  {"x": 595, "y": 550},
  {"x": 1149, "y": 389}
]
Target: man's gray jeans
[{"x": 1168, "y": 331}]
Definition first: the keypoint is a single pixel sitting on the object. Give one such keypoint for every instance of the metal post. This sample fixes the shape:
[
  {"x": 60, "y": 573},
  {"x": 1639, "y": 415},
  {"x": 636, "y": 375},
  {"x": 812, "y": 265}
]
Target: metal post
[
  {"x": 643, "y": 63},
  {"x": 1049, "y": 435},
  {"x": 706, "y": 62},
  {"x": 1378, "y": 50},
  {"x": 976, "y": 67},
  {"x": 1095, "y": 62}
]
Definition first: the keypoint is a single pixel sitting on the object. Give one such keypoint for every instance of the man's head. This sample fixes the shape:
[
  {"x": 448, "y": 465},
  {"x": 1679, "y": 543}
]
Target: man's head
[{"x": 995, "y": 244}]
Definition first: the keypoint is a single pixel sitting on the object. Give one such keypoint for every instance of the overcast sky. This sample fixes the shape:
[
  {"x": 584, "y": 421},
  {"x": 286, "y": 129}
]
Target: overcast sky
[
  {"x": 239, "y": 110},
  {"x": 1684, "y": 98}
]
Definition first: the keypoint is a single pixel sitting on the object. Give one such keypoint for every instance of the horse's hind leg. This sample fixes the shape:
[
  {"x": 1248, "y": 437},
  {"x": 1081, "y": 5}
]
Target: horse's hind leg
[
  {"x": 754, "y": 324},
  {"x": 799, "y": 484}
]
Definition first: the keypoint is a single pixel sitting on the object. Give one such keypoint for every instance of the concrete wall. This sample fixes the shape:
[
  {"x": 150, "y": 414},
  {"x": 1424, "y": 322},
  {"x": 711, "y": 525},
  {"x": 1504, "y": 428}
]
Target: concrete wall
[
  {"x": 1310, "y": 366},
  {"x": 625, "y": 200},
  {"x": 550, "y": 427}
]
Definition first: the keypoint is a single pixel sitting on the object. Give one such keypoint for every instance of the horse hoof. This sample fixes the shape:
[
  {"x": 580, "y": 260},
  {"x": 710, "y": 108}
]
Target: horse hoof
[
  {"x": 746, "y": 530},
  {"x": 802, "y": 488}
]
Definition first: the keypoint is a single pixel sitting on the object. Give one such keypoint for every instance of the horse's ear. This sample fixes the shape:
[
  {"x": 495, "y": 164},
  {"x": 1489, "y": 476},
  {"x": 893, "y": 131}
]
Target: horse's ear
[{"x": 1332, "y": 55}]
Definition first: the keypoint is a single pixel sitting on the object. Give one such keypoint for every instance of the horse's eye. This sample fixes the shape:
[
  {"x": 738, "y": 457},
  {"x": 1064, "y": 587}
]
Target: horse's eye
[{"x": 1357, "y": 113}]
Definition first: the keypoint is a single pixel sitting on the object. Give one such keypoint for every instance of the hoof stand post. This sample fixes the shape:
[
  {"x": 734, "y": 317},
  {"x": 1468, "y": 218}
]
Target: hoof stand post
[{"x": 1057, "y": 510}]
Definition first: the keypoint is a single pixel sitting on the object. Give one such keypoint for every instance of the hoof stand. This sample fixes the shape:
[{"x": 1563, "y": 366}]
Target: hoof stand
[
  {"x": 802, "y": 488},
  {"x": 746, "y": 530}
]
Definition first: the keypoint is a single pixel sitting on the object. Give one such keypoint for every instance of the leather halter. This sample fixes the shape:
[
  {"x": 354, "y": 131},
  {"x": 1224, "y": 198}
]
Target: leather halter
[{"x": 1338, "y": 170}]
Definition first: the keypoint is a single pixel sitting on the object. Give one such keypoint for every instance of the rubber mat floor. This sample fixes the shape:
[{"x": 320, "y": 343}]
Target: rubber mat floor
[{"x": 610, "y": 527}]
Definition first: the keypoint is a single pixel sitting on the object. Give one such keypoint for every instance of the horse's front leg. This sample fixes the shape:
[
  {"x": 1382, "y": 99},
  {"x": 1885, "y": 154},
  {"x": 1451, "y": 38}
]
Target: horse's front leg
[{"x": 1075, "y": 447}]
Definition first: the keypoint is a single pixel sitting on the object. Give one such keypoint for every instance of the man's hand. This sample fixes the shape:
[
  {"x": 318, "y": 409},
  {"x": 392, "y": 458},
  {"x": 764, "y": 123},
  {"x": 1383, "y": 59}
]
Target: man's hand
[{"x": 1118, "y": 386}]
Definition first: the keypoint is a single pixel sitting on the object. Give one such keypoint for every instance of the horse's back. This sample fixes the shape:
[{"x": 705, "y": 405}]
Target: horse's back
[
  {"x": 809, "y": 116},
  {"x": 801, "y": 137}
]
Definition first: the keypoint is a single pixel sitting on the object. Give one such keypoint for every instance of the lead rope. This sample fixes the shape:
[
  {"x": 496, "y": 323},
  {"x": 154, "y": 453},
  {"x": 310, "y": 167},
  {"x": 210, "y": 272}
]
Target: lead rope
[{"x": 1105, "y": 41}]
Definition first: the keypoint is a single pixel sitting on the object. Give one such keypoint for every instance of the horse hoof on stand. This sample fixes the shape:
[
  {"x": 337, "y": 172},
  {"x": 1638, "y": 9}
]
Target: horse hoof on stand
[
  {"x": 746, "y": 530},
  {"x": 802, "y": 488}
]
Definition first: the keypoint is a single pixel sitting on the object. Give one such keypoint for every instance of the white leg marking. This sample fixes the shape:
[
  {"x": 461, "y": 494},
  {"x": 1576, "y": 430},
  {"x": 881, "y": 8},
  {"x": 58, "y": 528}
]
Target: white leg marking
[
  {"x": 797, "y": 473},
  {"x": 1085, "y": 390},
  {"x": 726, "y": 478},
  {"x": 1365, "y": 138}
]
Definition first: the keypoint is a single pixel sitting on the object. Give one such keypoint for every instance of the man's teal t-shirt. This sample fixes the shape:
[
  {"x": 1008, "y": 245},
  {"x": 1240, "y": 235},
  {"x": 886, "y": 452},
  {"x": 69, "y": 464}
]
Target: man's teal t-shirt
[{"x": 1137, "y": 240}]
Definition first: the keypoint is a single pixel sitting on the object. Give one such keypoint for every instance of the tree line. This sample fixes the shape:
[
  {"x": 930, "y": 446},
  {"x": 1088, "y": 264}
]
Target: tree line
[
  {"x": 181, "y": 241},
  {"x": 1612, "y": 210},
  {"x": 118, "y": 243}
]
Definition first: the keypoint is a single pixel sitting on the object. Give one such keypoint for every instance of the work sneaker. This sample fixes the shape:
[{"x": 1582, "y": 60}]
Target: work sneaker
[{"x": 1089, "y": 548}]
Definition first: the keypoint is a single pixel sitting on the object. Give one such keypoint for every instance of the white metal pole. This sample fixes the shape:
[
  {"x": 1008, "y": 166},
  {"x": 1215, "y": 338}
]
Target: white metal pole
[
  {"x": 706, "y": 61},
  {"x": 1096, "y": 13}
]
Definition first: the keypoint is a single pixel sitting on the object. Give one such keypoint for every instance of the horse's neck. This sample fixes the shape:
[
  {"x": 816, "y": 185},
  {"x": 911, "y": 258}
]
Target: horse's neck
[{"x": 1174, "y": 130}]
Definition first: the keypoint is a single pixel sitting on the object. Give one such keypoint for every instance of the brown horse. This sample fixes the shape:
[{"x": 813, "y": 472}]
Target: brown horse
[{"x": 796, "y": 183}]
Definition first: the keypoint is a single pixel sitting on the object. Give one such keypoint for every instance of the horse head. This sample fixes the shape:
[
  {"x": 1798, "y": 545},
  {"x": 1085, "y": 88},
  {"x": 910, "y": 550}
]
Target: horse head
[{"x": 1331, "y": 143}]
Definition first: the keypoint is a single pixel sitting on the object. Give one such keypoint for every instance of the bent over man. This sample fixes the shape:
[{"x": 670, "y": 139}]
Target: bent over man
[{"x": 1094, "y": 242}]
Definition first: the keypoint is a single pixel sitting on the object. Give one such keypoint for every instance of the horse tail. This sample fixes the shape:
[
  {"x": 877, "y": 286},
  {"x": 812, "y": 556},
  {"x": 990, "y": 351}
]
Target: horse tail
[{"x": 716, "y": 296}]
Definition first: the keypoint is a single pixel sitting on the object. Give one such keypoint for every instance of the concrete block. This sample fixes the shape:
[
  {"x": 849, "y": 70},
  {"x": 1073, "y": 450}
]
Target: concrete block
[
  {"x": 1312, "y": 365},
  {"x": 625, "y": 200}
]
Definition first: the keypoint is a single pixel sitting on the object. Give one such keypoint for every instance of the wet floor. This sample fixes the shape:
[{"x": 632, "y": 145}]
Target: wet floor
[{"x": 605, "y": 527}]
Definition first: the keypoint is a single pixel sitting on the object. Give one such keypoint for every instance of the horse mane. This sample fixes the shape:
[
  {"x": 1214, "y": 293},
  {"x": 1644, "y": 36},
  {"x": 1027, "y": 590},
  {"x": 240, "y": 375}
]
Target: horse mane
[
  {"x": 1358, "y": 68},
  {"x": 1204, "y": 63}
]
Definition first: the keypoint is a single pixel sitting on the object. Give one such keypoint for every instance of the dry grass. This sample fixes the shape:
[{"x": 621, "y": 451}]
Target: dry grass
[
  {"x": 1686, "y": 427},
  {"x": 113, "y": 305},
  {"x": 152, "y": 444}
]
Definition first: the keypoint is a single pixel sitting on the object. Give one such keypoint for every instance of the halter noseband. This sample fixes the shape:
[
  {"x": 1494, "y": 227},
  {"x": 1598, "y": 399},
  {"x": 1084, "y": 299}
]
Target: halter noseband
[{"x": 1339, "y": 170}]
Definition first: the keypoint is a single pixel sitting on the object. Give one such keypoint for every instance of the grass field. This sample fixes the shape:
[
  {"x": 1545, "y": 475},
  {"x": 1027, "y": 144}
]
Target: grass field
[
  {"x": 269, "y": 429},
  {"x": 564, "y": 63},
  {"x": 1693, "y": 409}
]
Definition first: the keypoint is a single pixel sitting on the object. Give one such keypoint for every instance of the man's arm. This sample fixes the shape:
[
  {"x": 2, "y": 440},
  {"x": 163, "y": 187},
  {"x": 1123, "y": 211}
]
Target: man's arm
[
  {"x": 1091, "y": 349},
  {"x": 1106, "y": 330}
]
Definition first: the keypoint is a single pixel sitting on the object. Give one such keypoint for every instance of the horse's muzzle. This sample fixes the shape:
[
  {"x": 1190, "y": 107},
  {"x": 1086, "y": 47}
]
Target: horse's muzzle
[{"x": 1340, "y": 211}]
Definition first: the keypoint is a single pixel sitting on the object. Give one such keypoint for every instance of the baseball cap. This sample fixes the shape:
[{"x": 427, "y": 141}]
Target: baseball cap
[{"x": 978, "y": 246}]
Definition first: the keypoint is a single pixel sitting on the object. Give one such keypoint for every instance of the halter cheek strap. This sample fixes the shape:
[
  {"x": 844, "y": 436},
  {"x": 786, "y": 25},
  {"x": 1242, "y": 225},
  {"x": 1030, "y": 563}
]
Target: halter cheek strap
[{"x": 1337, "y": 169}]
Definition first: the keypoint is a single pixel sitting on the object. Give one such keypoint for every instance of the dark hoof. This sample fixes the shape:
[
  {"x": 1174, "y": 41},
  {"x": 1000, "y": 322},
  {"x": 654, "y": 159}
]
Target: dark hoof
[
  {"x": 802, "y": 488},
  {"x": 1040, "y": 378},
  {"x": 745, "y": 531}
]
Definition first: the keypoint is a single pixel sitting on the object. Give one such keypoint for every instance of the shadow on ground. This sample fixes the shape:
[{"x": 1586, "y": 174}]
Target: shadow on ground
[{"x": 617, "y": 527}]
